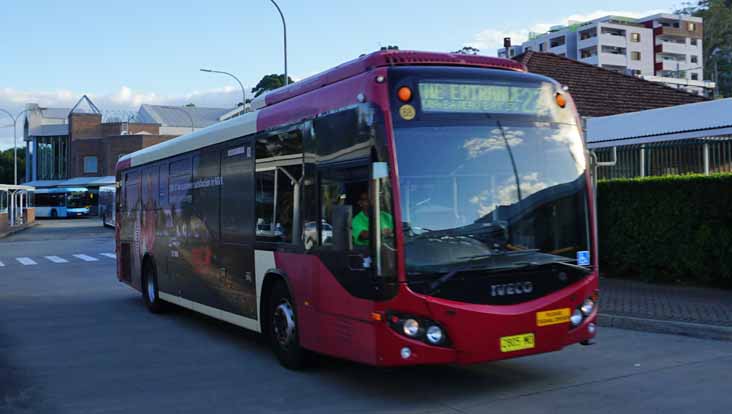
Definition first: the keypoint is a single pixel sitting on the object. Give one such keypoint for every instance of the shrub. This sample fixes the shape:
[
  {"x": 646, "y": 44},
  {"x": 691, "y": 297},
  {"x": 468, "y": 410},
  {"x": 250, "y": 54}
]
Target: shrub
[{"x": 674, "y": 229}]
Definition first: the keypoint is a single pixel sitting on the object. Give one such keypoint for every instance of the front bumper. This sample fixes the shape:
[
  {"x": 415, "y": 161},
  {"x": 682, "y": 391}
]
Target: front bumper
[{"x": 475, "y": 331}]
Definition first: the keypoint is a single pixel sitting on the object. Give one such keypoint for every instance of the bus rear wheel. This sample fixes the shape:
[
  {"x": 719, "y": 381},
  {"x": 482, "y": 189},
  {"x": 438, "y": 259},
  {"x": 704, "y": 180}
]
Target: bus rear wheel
[
  {"x": 282, "y": 327},
  {"x": 150, "y": 289}
]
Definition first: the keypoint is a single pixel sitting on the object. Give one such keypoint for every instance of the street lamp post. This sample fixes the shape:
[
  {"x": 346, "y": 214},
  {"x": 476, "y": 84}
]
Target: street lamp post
[
  {"x": 243, "y": 91},
  {"x": 284, "y": 30}
]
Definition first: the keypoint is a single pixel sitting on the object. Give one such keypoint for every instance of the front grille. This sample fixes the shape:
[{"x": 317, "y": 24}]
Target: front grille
[{"x": 500, "y": 288}]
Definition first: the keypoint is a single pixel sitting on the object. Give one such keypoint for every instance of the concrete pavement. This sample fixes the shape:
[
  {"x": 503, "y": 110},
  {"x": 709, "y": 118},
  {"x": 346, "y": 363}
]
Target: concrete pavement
[{"x": 74, "y": 340}]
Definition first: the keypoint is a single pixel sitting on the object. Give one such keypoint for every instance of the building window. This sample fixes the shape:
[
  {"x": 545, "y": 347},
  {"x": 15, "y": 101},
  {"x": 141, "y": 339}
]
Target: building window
[
  {"x": 635, "y": 55},
  {"x": 541, "y": 47},
  {"x": 694, "y": 59},
  {"x": 635, "y": 37},
  {"x": 694, "y": 76},
  {"x": 694, "y": 42},
  {"x": 691, "y": 26},
  {"x": 557, "y": 41},
  {"x": 90, "y": 165}
]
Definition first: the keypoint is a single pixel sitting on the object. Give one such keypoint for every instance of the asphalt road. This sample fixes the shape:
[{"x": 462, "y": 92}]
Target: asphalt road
[{"x": 74, "y": 340}]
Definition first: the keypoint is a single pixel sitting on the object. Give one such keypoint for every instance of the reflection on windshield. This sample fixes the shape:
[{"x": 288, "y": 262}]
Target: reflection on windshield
[
  {"x": 525, "y": 178},
  {"x": 76, "y": 200}
]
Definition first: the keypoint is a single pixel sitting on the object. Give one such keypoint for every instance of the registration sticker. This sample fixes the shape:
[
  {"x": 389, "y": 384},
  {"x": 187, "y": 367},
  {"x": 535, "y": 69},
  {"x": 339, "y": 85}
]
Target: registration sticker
[
  {"x": 552, "y": 317},
  {"x": 517, "y": 342},
  {"x": 407, "y": 112}
]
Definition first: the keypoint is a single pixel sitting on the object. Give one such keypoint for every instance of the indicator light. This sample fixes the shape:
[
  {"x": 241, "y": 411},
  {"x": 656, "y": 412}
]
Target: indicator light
[
  {"x": 404, "y": 94},
  {"x": 561, "y": 100}
]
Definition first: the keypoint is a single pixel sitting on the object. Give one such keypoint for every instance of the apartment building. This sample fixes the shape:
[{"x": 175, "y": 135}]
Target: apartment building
[{"x": 663, "y": 48}]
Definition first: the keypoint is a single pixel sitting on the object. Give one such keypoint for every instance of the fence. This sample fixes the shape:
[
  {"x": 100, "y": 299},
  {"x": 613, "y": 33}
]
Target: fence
[{"x": 692, "y": 156}]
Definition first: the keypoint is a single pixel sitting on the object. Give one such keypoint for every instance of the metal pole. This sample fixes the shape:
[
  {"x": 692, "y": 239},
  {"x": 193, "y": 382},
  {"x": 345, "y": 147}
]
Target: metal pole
[
  {"x": 284, "y": 30},
  {"x": 243, "y": 91}
]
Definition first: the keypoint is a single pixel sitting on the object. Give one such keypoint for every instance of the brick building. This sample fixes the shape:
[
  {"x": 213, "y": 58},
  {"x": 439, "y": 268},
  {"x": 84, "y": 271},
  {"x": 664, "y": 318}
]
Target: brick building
[{"x": 80, "y": 146}]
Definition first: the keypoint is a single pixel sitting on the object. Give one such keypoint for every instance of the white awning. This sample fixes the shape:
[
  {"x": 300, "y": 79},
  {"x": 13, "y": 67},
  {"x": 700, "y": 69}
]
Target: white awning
[{"x": 691, "y": 121}]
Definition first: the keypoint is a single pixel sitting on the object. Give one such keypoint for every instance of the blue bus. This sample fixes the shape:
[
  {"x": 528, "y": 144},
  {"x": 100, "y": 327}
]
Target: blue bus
[{"x": 62, "y": 202}]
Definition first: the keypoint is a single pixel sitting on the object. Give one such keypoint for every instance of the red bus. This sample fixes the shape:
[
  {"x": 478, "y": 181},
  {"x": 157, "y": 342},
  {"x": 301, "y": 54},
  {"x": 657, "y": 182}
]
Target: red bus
[{"x": 402, "y": 208}]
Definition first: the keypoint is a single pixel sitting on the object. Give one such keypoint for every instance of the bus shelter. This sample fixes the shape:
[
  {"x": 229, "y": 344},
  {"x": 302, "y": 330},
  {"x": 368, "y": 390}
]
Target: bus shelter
[
  {"x": 15, "y": 206},
  {"x": 685, "y": 139}
]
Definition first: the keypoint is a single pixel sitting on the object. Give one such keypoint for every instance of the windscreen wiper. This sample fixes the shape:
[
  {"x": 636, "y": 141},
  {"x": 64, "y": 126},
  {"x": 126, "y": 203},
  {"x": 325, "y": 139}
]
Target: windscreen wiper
[{"x": 499, "y": 253}]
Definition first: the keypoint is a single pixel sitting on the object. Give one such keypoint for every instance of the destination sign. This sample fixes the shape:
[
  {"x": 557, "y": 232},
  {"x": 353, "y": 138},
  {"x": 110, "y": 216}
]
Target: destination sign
[{"x": 480, "y": 98}]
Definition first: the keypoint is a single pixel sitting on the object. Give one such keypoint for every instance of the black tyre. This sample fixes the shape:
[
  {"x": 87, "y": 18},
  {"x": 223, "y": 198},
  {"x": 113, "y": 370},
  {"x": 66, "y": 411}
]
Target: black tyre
[
  {"x": 283, "y": 329},
  {"x": 54, "y": 213},
  {"x": 150, "y": 289}
]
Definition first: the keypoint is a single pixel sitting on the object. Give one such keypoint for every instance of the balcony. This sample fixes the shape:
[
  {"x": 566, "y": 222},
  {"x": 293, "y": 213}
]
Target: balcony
[
  {"x": 613, "y": 40},
  {"x": 673, "y": 65},
  {"x": 698, "y": 33},
  {"x": 585, "y": 43},
  {"x": 592, "y": 60},
  {"x": 613, "y": 59},
  {"x": 674, "y": 48}
]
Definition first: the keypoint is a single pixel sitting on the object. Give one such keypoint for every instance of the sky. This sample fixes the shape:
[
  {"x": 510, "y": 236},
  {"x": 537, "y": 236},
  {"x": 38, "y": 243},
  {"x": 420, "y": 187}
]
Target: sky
[{"x": 123, "y": 54}]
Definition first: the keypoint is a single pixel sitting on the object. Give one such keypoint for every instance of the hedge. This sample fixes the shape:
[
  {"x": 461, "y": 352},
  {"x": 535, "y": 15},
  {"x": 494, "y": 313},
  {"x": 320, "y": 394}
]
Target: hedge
[{"x": 672, "y": 229}]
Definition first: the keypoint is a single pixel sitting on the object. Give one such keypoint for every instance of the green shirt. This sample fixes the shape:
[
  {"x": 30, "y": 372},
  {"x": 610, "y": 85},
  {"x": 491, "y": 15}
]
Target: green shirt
[{"x": 360, "y": 223}]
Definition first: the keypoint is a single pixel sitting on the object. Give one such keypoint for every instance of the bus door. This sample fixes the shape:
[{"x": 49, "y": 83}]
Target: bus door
[
  {"x": 236, "y": 253},
  {"x": 344, "y": 228}
]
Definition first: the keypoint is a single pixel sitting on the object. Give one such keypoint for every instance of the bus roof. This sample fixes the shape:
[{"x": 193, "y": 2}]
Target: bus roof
[{"x": 247, "y": 123}]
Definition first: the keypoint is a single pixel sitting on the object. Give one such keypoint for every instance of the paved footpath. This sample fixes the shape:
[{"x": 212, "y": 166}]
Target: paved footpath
[{"x": 699, "y": 312}]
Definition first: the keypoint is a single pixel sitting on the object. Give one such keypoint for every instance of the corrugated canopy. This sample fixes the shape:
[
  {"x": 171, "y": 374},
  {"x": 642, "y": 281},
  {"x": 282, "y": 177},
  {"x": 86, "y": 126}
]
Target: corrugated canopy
[{"x": 697, "y": 120}]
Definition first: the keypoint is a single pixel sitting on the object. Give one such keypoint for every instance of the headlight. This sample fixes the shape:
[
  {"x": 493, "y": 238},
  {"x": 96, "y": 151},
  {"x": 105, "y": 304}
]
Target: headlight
[
  {"x": 411, "y": 327},
  {"x": 434, "y": 334},
  {"x": 587, "y": 307},
  {"x": 576, "y": 317}
]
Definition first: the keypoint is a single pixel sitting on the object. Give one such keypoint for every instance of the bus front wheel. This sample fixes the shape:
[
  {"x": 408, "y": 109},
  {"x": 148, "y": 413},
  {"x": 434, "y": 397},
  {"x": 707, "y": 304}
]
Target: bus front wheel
[
  {"x": 282, "y": 324},
  {"x": 150, "y": 289},
  {"x": 54, "y": 213}
]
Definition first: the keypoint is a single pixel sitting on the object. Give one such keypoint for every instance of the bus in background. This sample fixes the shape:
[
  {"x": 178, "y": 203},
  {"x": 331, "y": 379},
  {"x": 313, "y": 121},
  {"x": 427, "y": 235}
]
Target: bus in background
[
  {"x": 402, "y": 208},
  {"x": 107, "y": 194},
  {"x": 62, "y": 202}
]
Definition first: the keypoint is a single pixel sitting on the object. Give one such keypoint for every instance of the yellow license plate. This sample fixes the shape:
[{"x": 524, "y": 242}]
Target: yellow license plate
[
  {"x": 517, "y": 342},
  {"x": 552, "y": 317}
]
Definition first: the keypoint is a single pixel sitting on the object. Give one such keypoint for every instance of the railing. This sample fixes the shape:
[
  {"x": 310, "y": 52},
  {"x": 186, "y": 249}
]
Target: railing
[{"x": 697, "y": 156}]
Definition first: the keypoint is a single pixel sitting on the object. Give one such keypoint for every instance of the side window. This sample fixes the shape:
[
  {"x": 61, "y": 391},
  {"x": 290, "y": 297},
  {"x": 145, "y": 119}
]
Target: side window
[
  {"x": 279, "y": 180},
  {"x": 206, "y": 188},
  {"x": 163, "y": 185},
  {"x": 132, "y": 191},
  {"x": 236, "y": 175},
  {"x": 179, "y": 188},
  {"x": 150, "y": 188}
]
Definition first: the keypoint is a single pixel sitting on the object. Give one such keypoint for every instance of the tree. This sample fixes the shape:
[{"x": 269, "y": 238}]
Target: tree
[
  {"x": 269, "y": 83},
  {"x": 6, "y": 166},
  {"x": 717, "y": 15},
  {"x": 467, "y": 50}
]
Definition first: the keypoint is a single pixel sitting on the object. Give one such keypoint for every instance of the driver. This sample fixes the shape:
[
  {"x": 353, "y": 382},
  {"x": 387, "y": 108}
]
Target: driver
[{"x": 360, "y": 223}]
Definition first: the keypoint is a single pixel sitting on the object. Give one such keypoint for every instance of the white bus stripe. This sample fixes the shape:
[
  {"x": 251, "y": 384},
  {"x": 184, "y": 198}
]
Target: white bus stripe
[
  {"x": 223, "y": 315},
  {"x": 56, "y": 259},
  {"x": 25, "y": 261},
  {"x": 110, "y": 255},
  {"x": 86, "y": 258}
]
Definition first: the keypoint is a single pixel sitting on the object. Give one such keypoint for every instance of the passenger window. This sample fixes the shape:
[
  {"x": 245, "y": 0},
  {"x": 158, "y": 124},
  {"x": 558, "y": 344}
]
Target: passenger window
[
  {"x": 279, "y": 181},
  {"x": 132, "y": 191}
]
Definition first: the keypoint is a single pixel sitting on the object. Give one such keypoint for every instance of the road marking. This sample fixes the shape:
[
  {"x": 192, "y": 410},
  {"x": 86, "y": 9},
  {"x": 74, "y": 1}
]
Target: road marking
[
  {"x": 56, "y": 259},
  {"x": 26, "y": 261},
  {"x": 86, "y": 258},
  {"x": 2, "y": 264},
  {"x": 110, "y": 255}
]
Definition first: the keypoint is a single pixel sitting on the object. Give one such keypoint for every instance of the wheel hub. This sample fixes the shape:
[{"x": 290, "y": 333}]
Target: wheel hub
[{"x": 284, "y": 323}]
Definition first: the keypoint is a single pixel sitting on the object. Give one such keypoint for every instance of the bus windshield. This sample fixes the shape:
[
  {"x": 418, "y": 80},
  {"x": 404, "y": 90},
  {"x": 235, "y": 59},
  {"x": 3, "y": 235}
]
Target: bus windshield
[
  {"x": 491, "y": 193},
  {"x": 77, "y": 199}
]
